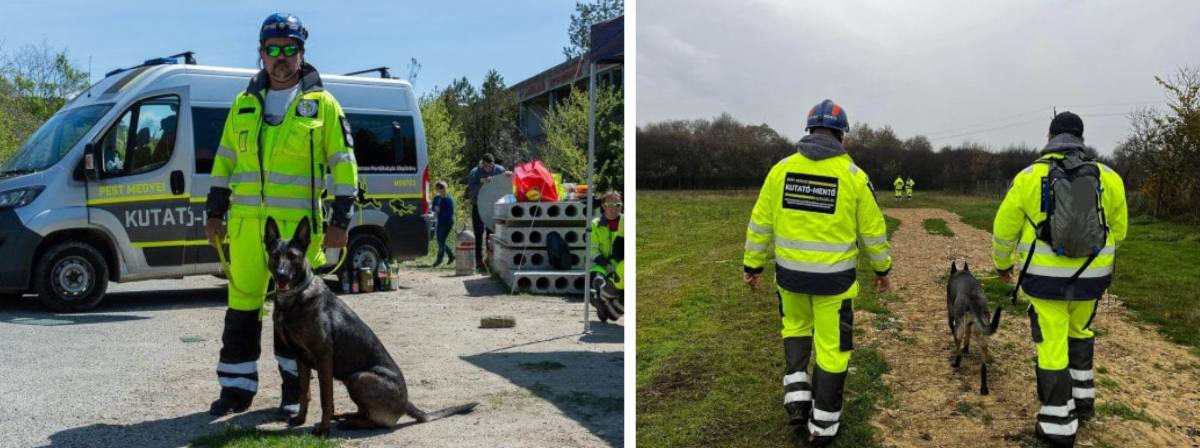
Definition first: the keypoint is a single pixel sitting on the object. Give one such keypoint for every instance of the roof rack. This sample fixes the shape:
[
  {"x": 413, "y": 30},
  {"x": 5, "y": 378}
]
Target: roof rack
[
  {"x": 383, "y": 72},
  {"x": 189, "y": 58}
]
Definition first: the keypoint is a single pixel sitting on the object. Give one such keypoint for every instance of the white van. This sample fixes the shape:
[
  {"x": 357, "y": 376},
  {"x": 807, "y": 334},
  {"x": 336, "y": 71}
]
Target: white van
[{"x": 138, "y": 212}]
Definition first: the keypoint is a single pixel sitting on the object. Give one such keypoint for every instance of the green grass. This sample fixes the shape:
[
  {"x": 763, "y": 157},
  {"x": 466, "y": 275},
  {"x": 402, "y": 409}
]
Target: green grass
[
  {"x": 1122, "y": 410},
  {"x": 936, "y": 226},
  {"x": 1153, "y": 267},
  {"x": 242, "y": 437},
  {"x": 710, "y": 358}
]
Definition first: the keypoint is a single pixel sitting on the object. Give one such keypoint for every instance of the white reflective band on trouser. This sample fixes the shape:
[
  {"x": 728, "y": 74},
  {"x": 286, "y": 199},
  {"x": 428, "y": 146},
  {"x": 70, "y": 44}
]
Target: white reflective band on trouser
[
  {"x": 795, "y": 377},
  {"x": 1081, "y": 375},
  {"x": 239, "y": 383},
  {"x": 1067, "y": 272},
  {"x": 288, "y": 365},
  {"x": 826, "y": 432},
  {"x": 1060, "y": 430},
  {"x": 826, "y": 416},
  {"x": 817, "y": 268},
  {"x": 1082, "y": 393},
  {"x": 800, "y": 395},
  {"x": 239, "y": 368},
  {"x": 1058, "y": 411}
]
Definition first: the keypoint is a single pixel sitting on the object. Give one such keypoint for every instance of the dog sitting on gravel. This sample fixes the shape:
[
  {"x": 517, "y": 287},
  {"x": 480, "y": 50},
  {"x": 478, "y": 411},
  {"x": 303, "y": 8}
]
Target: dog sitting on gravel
[
  {"x": 967, "y": 309},
  {"x": 326, "y": 335}
]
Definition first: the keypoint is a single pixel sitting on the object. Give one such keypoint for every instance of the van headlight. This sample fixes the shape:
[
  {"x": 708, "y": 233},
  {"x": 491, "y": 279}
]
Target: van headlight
[{"x": 20, "y": 197}]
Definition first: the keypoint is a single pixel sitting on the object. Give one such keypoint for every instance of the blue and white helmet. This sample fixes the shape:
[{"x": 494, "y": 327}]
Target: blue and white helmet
[
  {"x": 828, "y": 114},
  {"x": 282, "y": 24}
]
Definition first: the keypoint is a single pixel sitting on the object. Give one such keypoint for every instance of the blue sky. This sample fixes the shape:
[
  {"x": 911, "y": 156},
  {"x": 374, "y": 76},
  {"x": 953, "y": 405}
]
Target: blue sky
[{"x": 451, "y": 40}]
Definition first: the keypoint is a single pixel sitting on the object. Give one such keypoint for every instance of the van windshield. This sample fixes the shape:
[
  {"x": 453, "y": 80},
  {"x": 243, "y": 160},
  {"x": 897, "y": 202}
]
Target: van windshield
[{"x": 53, "y": 140}]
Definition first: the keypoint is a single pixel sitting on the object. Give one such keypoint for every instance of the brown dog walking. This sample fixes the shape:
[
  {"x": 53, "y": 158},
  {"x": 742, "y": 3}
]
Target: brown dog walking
[
  {"x": 967, "y": 309},
  {"x": 326, "y": 335}
]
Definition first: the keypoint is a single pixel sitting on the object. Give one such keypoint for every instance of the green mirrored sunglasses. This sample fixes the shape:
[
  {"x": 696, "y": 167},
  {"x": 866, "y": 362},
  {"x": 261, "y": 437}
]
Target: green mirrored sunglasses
[{"x": 287, "y": 50}]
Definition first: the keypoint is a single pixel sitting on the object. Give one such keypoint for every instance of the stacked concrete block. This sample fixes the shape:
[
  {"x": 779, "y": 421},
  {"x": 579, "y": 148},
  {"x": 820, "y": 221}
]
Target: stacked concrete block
[{"x": 519, "y": 245}]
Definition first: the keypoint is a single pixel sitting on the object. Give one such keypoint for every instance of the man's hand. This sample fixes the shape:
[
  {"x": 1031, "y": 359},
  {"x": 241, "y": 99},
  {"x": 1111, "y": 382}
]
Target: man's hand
[
  {"x": 1006, "y": 275},
  {"x": 214, "y": 229},
  {"x": 752, "y": 280},
  {"x": 335, "y": 238},
  {"x": 882, "y": 283}
]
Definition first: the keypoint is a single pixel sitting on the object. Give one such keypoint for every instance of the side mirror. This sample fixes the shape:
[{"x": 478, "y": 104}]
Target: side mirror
[{"x": 91, "y": 162}]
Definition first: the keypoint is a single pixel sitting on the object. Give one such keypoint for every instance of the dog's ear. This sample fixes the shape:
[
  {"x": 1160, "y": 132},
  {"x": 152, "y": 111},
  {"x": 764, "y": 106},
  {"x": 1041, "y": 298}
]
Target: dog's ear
[
  {"x": 271, "y": 233},
  {"x": 953, "y": 267},
  {"x": 966, "y": 266},
  {"x": 303, "y": 235}
]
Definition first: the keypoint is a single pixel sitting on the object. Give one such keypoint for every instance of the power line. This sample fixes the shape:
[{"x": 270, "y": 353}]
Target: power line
[
  {"x": 1026, "y": 113},
  {"x": 1022, "y": 114}
]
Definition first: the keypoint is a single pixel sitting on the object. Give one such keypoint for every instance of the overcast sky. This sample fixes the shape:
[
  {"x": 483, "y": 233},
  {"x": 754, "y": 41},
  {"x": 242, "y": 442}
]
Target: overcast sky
[{"x": 988, "y": 72}]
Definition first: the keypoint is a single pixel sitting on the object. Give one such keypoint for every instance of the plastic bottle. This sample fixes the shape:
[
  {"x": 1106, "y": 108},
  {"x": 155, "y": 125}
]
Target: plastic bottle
[
  {"x": 354, "y": 281},
  {"x": 346, "y": 280},
  {"x": 381, "y": 276}
]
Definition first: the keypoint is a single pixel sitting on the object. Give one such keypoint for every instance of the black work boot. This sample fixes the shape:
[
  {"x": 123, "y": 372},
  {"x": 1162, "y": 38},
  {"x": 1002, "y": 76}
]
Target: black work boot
[{"x": 228, "y": 405}]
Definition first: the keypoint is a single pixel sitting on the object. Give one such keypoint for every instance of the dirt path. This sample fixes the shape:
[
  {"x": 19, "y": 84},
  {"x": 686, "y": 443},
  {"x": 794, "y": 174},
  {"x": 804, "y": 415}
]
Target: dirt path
[{"x": 939, "y": 406}]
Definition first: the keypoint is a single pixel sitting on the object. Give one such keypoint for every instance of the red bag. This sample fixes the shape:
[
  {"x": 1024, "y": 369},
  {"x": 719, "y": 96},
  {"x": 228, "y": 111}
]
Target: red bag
[{"x": 534, "y": 183}]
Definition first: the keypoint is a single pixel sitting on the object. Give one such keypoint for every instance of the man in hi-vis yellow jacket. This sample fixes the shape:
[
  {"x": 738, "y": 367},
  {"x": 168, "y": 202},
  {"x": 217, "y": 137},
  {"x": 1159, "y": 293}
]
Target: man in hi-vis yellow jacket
[{"x": 816, "y": 206}]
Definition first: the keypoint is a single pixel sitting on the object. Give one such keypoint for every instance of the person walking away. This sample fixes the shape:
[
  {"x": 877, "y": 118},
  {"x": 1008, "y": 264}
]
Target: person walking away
[
  {"x": 608, "y": 259},
  {"x": 481, "y": 175},
  {"x": 908, "y": 187},
  {"x": 443, "y": 208},
  {"x": 1065, "y": 215},
  {"x": 815, "y": 206},
  {"x": 899, "y": 184},
  {"x": 283, "y": 133}
]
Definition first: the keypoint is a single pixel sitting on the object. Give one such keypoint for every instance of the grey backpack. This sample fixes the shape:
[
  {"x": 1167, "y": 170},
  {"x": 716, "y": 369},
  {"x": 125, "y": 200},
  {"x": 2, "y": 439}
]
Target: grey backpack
[
  {"x": 1075, "y": 223},
  {"x": 1071, "y": 199}
]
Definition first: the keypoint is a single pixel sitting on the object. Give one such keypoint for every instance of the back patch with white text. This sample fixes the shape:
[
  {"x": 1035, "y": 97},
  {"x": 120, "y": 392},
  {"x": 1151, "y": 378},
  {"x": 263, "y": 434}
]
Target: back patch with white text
[{"x": 810, "y": 193}]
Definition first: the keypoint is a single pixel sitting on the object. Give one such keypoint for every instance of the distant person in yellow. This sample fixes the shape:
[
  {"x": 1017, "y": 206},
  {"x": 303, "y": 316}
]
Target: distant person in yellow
[
  {"x": 899, "y": 184},
  {"x": 1065, "y": 215},
  {"x": 815, "y": 206},
  {"x": 908, "y": 186}
]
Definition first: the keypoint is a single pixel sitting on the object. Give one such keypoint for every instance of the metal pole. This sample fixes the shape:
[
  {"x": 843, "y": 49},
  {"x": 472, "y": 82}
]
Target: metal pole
[{"x": 587, "y": 265}]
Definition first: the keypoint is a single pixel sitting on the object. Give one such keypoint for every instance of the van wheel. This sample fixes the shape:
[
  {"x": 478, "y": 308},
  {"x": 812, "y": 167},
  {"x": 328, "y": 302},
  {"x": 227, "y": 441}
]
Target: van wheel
[
  {"x": 364, "y": 250},
  {"x": 71, "y": 277}
]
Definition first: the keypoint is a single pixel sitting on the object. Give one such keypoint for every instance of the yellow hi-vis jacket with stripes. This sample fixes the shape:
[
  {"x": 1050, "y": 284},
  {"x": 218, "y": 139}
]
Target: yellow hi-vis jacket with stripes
[
  {"x": 280, "y": 170},
  {"x": 608, "y": 252},
  {"x": 1049, "y": 273},
  {"x": 899, "y": 184},
  {"x": 816, "y": 211}
]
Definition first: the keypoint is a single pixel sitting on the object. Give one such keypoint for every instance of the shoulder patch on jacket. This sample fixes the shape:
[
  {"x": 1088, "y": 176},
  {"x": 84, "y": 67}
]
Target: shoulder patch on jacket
[
  {"x": 346, "y": 132},
  {"x": 307, "y": 108}
]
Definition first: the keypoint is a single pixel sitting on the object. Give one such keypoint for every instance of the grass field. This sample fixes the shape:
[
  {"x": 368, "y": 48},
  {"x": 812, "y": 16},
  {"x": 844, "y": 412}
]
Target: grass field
[{"x": 709, "y": 355}]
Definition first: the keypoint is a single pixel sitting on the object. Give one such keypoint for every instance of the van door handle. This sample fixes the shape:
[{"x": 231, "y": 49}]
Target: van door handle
[{"x": 177, "y": 182}]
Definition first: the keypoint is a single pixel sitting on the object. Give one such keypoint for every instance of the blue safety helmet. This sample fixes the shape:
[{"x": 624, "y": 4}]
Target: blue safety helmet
[
  {"x": 282, "y": 24},
  {"x": 828, "y": 114}
]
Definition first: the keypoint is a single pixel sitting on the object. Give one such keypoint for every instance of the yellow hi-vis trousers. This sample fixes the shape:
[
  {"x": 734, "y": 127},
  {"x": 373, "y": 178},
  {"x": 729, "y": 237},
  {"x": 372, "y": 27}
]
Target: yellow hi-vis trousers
[
  {"x": 829, "y": 320},
  {"x": 248, "y": 274},
  {"x": 1065, "y": 379}
]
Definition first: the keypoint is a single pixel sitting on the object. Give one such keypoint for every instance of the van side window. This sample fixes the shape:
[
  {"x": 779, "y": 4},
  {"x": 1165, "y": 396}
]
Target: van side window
[
  {"x": 384, "y": 143},
  {"x": 143, "y": 139},
  {"x": 207, "y": 125}
]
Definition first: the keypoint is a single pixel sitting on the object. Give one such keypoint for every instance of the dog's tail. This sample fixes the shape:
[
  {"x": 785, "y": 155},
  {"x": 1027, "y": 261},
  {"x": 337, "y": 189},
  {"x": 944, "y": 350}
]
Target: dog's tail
[
  {"x": 995, "y": 321},
  {"x": 421, "y": 416}
]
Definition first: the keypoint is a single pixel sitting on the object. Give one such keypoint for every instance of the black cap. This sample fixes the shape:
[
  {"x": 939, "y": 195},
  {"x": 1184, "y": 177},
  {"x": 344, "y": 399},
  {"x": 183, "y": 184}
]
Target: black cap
[{"x": 1066, "y": 122}]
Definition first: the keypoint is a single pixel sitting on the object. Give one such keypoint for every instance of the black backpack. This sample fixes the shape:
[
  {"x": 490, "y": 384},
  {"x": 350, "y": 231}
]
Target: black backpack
[{"x": 558, "y": 253}]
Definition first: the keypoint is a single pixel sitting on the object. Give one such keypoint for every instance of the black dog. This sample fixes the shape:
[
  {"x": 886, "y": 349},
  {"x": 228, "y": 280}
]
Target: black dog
[
  {"x": 967, "y": 310},
  {"x": 326, "y": 335}
]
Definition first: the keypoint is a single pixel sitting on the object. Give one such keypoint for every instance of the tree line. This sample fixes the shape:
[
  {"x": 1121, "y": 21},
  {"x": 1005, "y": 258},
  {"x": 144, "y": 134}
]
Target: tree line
[{"x": 1159, "y": 159}]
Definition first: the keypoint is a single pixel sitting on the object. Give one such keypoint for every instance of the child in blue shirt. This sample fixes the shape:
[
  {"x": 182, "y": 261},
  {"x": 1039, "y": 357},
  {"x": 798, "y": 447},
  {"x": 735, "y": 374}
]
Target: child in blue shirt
[{"x": 443, "y": 209}]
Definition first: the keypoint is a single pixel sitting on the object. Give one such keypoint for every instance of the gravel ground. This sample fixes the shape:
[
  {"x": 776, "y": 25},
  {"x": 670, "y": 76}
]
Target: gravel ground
[{"x": 139, "y": 369}]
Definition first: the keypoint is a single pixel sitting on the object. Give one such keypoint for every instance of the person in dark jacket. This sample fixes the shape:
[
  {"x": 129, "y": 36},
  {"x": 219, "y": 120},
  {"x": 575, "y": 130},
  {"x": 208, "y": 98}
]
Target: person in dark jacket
[{"x": 443, "y": 209}]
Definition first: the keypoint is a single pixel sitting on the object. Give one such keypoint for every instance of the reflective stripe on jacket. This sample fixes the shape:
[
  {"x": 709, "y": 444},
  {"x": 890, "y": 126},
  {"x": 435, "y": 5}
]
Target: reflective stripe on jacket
[
  {"x": 275, "y": 166},
  {"x": 1048, "y": 273},
  {"x": 816, "y": 213}
]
